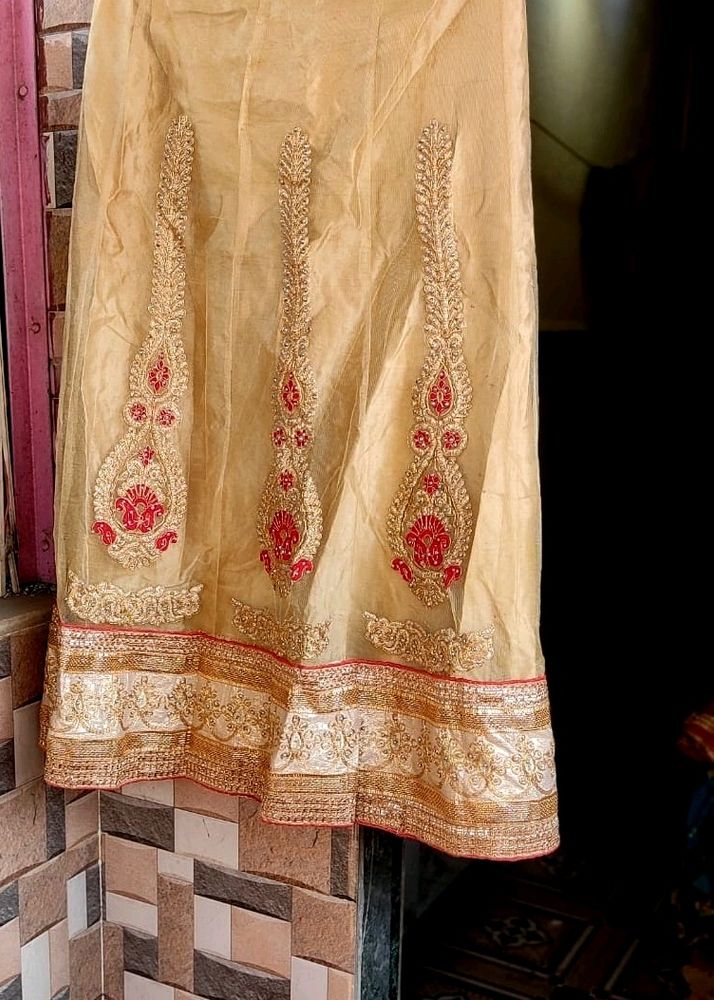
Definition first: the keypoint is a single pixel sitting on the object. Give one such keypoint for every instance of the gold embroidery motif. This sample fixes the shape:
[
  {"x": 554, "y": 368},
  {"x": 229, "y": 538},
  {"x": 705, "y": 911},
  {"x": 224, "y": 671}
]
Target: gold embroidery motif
[
  {"x": 467, "y": 767},
  {"x": 140, "y": 492},
  {"x": 443, "y": 651},
  {"x": 430, "y": 521},
  {"x": 106, "y": 604},
  {"x": 295, "y": 639},
  {"x": 290, "y": 515}
]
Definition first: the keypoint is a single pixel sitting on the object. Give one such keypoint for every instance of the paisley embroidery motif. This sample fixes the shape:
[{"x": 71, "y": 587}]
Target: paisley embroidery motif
[
  {"x": 290, "y": 515},
  {"x": 140, "y": 493},
  {"x": 293, "y": 638},
  {"x": 443, "y": 651},
  {"x": 106, "y": 604},
  {"x": 430, "y": 521}
]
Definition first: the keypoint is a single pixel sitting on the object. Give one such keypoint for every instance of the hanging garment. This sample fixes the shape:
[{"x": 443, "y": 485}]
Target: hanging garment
[{"x": 298, "y": 502}]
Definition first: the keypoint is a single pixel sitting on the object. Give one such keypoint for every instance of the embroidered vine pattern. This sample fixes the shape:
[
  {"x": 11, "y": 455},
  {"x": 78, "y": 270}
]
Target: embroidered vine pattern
[
  {"x": 291, "y": 637},
  {"x": 430, "y": 522},
  {"x": 140, "y": 492},
  {"x": 106, "y": 604},
  {"x": 442, "y": 651},
  {"x": 290, "y": 515}
]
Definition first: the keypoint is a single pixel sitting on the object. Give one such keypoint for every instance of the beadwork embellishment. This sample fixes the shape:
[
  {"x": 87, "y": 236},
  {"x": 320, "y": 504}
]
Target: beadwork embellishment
[
  {"x": 292, "y": 638},
  {"x": 140, "y": 492},
  {"x": 106, "y": 604},
  {"x": 443, "y": 651},
  {"x": 430, "y": 521},
  {"x": 290, "y": 515}
]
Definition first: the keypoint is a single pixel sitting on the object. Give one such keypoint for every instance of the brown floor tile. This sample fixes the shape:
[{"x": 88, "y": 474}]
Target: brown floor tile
[
  {"x": 340, "y": 985},
  {"x": 113, "y": 939},
  {"x": 299, "y": 855},
  {"x": 59, "y": 13},
  {"x": 59, "y": 957},
  {"x": 175, "y": 922},
  {"x": 324, "y": 929},
  {"x": 130, "y": 868},
  {"x": 81, "y": 818},
  {"x": 43, "y": 898},
  {"x": 261, "y": 941},
  {"x": 22, "y": 821},
  {"x": 85, "y": 966},
  {"x": 27, "y": 655}
]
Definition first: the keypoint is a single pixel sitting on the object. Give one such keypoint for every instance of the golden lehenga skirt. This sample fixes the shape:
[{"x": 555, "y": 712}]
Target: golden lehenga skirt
[{"x": 298, "y": 502}]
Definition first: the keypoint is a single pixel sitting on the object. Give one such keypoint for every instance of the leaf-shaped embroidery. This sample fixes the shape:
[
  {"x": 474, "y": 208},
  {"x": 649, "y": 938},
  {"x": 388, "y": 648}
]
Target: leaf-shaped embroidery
[
  {"x": 140, "y": 492},
  {"x": 290, "y": 515},
  {"x": 430, "y": 522}
]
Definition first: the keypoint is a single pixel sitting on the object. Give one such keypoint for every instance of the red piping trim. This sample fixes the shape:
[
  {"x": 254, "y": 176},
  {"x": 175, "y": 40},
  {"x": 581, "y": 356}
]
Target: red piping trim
[{"x": 116, "y": 630}]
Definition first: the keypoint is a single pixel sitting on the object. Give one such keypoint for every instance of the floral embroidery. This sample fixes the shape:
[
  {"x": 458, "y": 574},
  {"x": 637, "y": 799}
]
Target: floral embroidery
[
  {"x": 430, "y": 521},
  {"x": 443, "y": 651},
  {"x": 106, "y": 604},
  {"x": 292, "y": 638},
  {"x": 290, "y": 515},
  {"x": 140, "y": 493}
]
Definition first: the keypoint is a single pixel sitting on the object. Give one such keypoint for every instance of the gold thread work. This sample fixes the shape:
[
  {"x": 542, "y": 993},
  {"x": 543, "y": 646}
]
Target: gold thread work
[
  {"x": 106, "y": 604},
  {"x": 140, "y": 492},
  {"x": 290, "y": 514},
  {"x": 430, "y": 521},
  {"x": 465, "y": 766},
  {"x": 292, "y": 638},
  {"x": 443, "y": 651}
]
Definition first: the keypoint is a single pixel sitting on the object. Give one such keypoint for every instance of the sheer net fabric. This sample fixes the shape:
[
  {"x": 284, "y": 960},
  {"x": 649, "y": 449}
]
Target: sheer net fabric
[{"x": 298, "y": 502}]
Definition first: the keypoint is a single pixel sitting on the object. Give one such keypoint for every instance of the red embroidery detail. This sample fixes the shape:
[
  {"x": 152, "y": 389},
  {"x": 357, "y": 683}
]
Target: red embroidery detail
[
  {"x": 451, "y": 573},
  {"x": 284, "y": 534},
  {"x": 163, "y": 541},
  {"x": 165, "y": 417},
  {"x": 403, "y": 569},
  {"x": 138, "y": 412},
  {"x": 451, "y": 440},
  {"x": 441, "y": 395},
  {"x": 266, "y": 561},
  {"x": 290, "y": 393},
  {"x": 302, "y": 437},
  {"x": 105, "y": 531},
  {"x": 429, "y": 539},
  {"x": 286, "y": 480},
  {"x": 421, "y": 439},
  {"x": 279, "y": 437},
  {"x": 432, "y": 482},
  {"x": 158, "y": 375},
  {"x": 300, "y": 568},
  {"x": 139, "y": 508},
  {"x": 146, "y": 455}
]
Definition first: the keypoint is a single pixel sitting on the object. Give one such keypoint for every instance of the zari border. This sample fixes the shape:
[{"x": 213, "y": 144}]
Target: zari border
[{"x": 462, "y": 765}]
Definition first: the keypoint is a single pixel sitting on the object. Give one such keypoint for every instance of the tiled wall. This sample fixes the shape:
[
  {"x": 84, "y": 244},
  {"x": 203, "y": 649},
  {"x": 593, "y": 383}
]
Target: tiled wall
[
  {"x": 204, "y": 900},
  {"x": 49, "y": 871}
]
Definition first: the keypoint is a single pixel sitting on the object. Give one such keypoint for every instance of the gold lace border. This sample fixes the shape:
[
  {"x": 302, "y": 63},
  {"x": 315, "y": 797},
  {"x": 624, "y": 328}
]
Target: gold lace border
[
  {"x": 389, "y": 802},
  {"x": 464, "y": 766},
  {"x": 368, "y": 684}
]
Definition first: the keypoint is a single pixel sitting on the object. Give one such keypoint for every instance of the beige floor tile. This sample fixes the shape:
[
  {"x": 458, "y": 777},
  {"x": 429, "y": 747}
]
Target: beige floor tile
[
  {"x": 261, "y": 941},
  {"x": 206, "y": 837}
]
